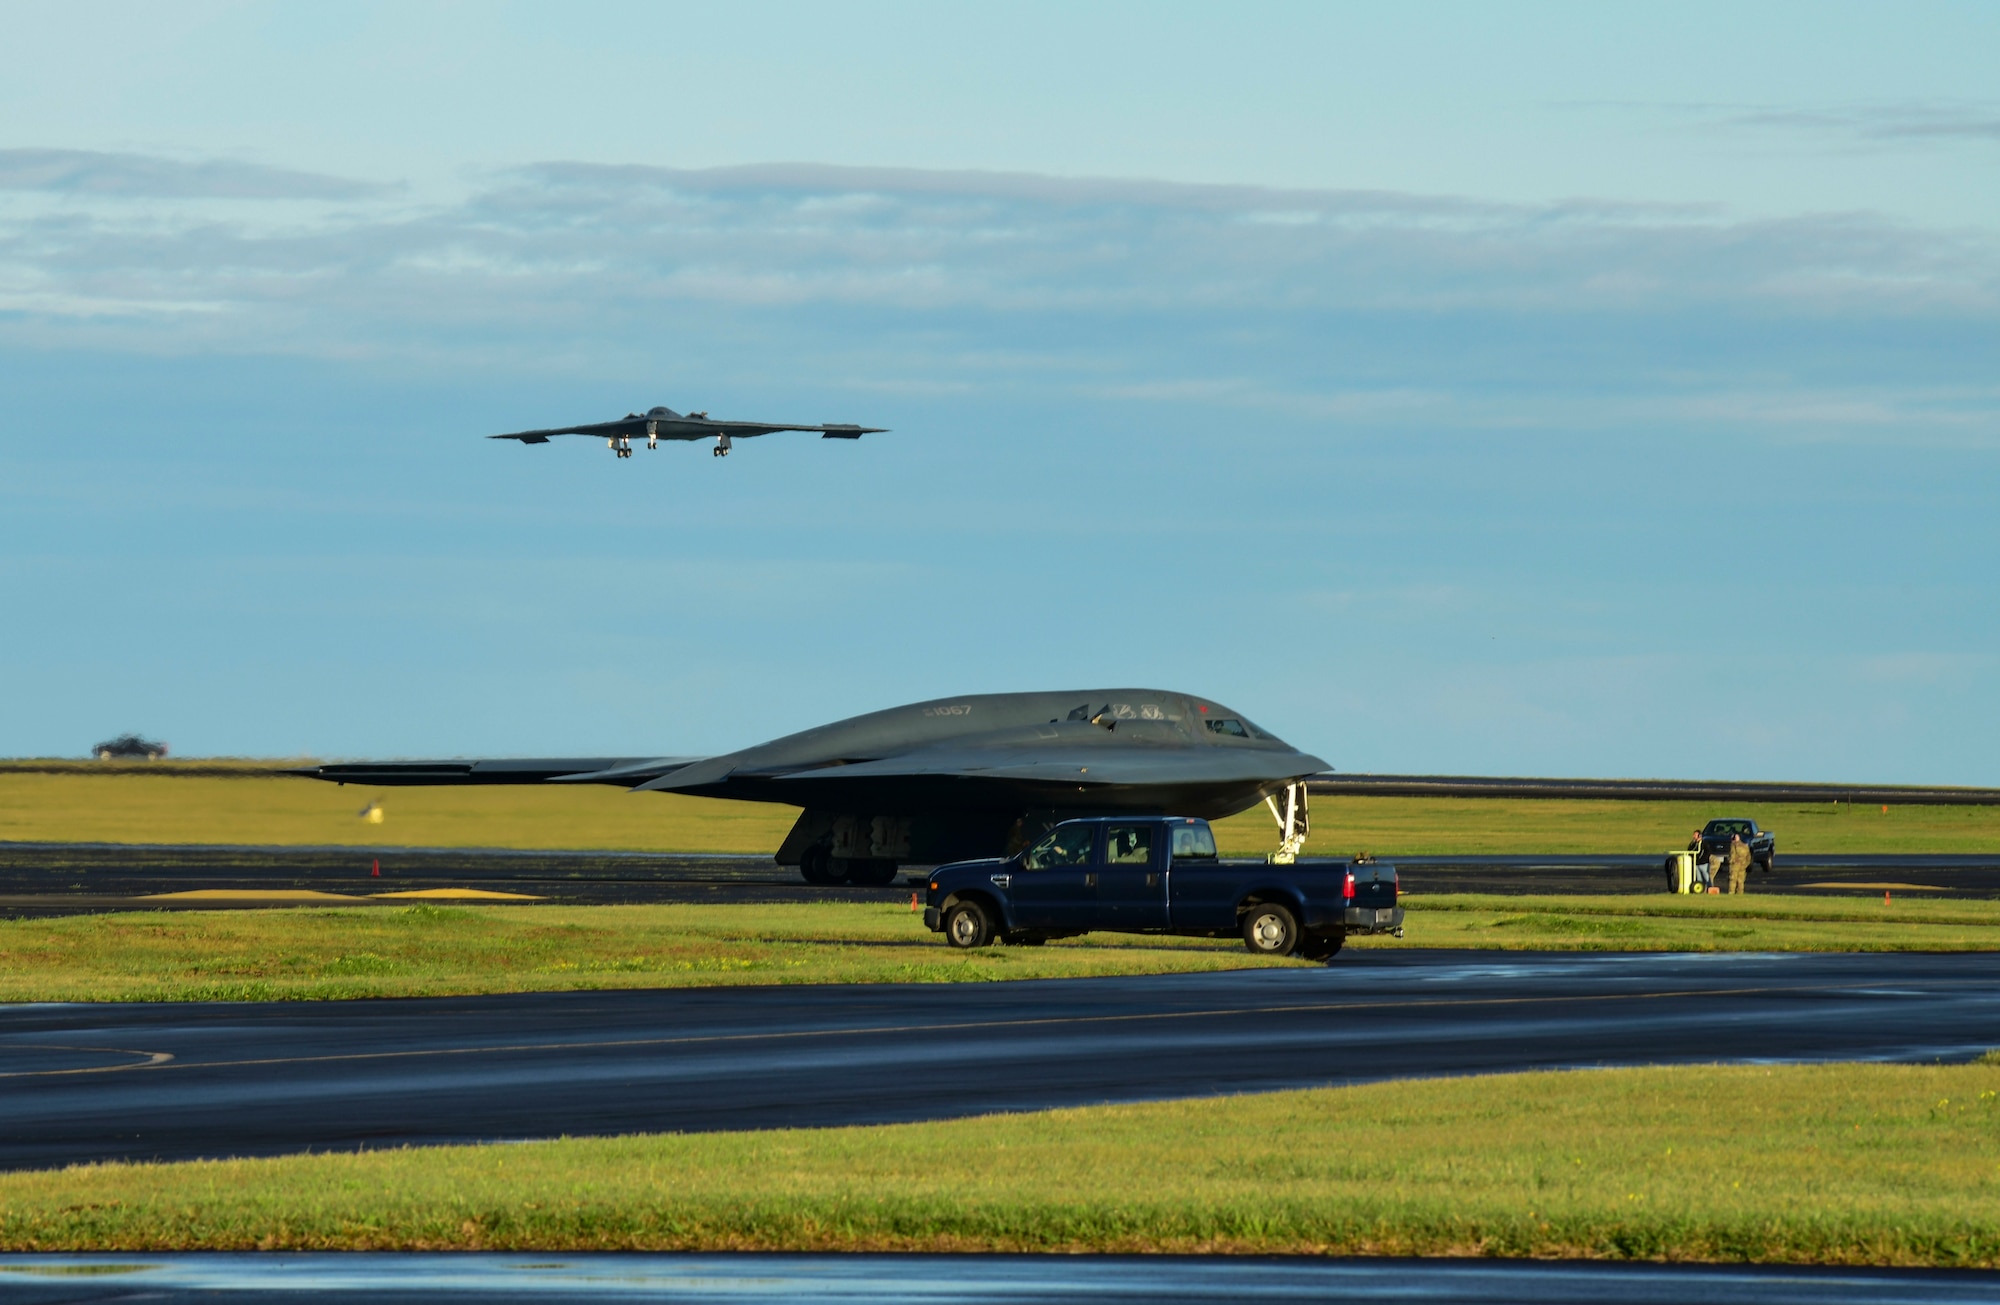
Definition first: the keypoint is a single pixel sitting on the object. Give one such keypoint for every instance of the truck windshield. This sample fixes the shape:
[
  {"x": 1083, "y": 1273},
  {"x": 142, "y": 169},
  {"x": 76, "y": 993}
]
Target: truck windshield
[
  {"x": 1065, "y": 845},
  {"x": 1728, "y": 827},
  {"x": 1192, "y": 840}
]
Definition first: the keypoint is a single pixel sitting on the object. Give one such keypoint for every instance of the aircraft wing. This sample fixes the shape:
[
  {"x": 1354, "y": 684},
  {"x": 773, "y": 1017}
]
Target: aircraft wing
[
  {"x": 737, "y": 430},
  {"x": 625, "y": 772},
  {"x": 1071, "y": 765},
  {"x": 601, "y": 429}
]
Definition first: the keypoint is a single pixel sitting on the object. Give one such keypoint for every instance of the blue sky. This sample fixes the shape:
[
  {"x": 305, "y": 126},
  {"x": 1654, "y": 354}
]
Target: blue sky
[{"x": 1556, "y": 389}]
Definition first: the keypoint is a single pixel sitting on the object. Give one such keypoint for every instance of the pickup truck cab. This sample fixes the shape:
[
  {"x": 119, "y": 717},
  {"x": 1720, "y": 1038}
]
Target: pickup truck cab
[
  {"x": 1158, "y": 874},
  {"x": 1715, "y": 837}
]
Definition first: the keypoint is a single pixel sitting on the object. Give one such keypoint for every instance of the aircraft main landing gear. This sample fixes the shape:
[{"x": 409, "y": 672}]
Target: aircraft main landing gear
[{"x": 818, "y": 865}]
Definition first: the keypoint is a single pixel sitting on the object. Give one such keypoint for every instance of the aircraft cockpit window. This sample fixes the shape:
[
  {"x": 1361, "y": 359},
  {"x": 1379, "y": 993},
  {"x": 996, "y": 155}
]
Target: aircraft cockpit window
[
  {"x": 1128, "y": 844},
  {"x": 1233, "y": 728},
  {"x": 1065, "y": 845},
  {"x": 1194, "y": 841},
  {"x": 1080, "y": 713}
]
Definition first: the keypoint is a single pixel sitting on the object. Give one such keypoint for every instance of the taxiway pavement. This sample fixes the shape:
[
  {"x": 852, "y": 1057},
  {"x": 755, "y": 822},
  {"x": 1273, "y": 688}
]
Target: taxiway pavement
[
  {"x": 118, "y": 1081},
  {"x": 396, "y": 1277},
  {"x": 75, "y": 878}
]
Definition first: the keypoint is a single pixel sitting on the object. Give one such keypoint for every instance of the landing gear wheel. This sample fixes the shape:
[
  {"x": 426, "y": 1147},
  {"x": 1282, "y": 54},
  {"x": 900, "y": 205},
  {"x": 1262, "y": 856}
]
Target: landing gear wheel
[
  {"x": 872, "y": 874},
  {"x": 1323, "y": 946},
  {"x": 816, "y": 866},
  {"x": 1270, "y": 930},
  {"x": 968, "y": 925}
]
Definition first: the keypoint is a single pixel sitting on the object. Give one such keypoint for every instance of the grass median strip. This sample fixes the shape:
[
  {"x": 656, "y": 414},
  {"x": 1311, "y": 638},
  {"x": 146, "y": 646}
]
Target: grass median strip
[
  {"x": 322, "y": 953},
  {"x": 334, "y": 952},
  {"x": 1666, "y": 922},
  {"x": 1844, "y": 1164}
]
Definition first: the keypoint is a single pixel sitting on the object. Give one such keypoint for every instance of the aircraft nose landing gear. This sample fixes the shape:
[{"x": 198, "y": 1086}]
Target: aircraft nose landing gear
[{"x": 1293, "y": 823}]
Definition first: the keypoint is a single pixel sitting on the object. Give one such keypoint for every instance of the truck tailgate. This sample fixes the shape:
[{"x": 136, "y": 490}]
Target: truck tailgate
[{"x": 1374, "y": 885}]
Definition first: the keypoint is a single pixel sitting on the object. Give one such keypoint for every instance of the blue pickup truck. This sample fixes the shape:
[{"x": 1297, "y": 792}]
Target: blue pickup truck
[{"x": 1159, "y": 874}]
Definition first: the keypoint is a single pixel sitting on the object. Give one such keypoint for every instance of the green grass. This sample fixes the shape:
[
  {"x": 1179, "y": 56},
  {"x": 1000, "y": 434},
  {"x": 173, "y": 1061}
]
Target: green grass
[
  {"x": 348, "y": 952},
  {"x": 242, "y": 802},
  {"x": 1493, "y": 826},
  {"x": 1847, "y": 1164},
  {"x": 159, "y": 806},
  {"x": 1699, "y": 924}
]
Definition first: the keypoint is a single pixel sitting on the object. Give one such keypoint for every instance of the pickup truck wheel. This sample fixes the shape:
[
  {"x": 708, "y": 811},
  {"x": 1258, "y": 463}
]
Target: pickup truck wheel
[
  {"x": 1765, "y": 864},
  {"x": 1270, "y": 930},
  {"x": 968, "y": 925}
]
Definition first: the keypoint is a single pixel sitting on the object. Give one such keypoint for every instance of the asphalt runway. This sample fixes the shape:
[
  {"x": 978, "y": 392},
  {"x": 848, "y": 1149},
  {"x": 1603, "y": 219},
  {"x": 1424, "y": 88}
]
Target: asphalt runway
[
  {"x": 387, "y": 1279},
  {"x": 131, "y": 1081},
  {"x": 75, "y": 878}
]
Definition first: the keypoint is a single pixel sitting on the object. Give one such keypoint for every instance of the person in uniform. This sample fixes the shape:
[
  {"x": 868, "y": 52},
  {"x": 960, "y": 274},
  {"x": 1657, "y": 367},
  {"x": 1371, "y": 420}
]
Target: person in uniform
[{"x": 1739, "y": 863}]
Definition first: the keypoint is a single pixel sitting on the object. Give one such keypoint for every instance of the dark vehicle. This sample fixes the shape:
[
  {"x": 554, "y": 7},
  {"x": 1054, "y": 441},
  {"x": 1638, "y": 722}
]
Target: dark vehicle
[
  {"x": 1159, "y": 874},
  {"x": 128, "y": 746},
  {"x": 1763, "y": 843}
]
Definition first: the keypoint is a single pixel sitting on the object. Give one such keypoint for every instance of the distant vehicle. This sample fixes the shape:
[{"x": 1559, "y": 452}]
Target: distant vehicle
[
  {"x": 1159, "y": 874},
  {"x": 128, "y": 746},
  {"x": 656, "y": 424},
  {"x": 1763, "y": 843}
]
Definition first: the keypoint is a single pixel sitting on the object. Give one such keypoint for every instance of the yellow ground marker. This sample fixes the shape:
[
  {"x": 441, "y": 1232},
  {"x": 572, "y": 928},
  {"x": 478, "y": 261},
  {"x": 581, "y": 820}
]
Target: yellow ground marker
[
  {"x": 251, "y": 895},
  {"x": 1883, "y": 888},
  {"x": 462, "y": 895}
]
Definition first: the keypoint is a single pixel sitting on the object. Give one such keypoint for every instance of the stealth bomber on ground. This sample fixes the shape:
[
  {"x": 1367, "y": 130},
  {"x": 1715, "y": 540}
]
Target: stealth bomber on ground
[
  {"x": 656, "y": 424},
  {"x": 953, "y": 778}
]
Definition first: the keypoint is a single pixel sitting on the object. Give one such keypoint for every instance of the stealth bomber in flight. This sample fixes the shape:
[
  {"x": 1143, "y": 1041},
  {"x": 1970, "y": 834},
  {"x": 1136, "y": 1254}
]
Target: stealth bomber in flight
[
  {"x": 950, "y": 779},
  {"x": 656, "y": 424}
]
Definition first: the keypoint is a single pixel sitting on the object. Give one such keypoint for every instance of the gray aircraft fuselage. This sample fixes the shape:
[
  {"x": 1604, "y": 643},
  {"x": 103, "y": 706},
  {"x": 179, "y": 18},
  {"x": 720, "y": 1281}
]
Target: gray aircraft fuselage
[{"x": 949, "y": 778}]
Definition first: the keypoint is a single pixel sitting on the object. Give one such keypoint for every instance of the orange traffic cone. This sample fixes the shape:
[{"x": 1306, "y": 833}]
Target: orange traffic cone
[
  {"x": 1885, "y": 899},
  {"x": 913, "y": 901}
]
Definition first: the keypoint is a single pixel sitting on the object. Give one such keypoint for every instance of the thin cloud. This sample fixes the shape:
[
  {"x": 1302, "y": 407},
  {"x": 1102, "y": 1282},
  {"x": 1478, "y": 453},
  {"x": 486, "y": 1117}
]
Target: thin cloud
[
  {"x": 1331, "y": 305},
  {"x": 1883, "y": 122},
  {"x": 89, "y": 172}
]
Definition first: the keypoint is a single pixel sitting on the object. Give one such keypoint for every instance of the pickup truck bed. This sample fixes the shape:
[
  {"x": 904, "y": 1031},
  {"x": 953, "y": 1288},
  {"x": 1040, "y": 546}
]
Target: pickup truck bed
[{"x": 1159, "y": 874}]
